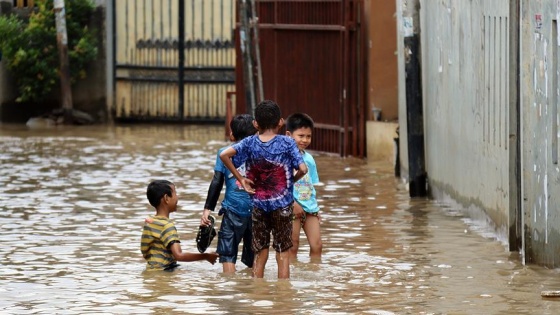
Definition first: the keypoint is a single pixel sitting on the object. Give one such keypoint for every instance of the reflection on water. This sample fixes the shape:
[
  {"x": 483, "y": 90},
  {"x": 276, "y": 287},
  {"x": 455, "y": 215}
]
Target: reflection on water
[{"x": 73, "y": 202}]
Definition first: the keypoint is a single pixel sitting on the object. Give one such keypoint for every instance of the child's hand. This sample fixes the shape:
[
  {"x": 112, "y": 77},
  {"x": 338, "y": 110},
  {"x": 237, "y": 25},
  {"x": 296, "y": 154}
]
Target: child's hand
[
  {"x": 298, "y": 211},
  {"x": 204, "y": 221},
  {"x": 211, "y": 257},
  {"x": 248, "y": 185}
]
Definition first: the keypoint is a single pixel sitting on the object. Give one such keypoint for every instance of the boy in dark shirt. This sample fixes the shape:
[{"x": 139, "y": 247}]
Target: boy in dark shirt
[{"x": 236, "y": 206}]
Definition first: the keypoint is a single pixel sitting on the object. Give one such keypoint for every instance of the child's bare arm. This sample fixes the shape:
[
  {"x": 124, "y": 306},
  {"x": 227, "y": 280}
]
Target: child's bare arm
[
  {"x": 181, "y": 256},
  {"x": 302, "y": 170},
  {"x": 226, "y": 156}
]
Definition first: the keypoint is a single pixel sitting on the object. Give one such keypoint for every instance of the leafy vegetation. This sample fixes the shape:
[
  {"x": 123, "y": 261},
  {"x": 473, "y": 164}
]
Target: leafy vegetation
[{"x": 30, "y": 50}]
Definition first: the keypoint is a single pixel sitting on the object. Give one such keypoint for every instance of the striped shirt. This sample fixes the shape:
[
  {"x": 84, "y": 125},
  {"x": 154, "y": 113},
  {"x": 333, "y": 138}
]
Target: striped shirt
[{"x": 158, "y": 235}]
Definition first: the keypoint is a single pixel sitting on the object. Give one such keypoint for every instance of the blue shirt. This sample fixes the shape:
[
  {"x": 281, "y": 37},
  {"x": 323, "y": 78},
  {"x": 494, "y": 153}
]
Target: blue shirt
[
  {"x": 270, "y": 165},
  {"x": 304, "y": 191},
  {"x": 236, "y": 199}
]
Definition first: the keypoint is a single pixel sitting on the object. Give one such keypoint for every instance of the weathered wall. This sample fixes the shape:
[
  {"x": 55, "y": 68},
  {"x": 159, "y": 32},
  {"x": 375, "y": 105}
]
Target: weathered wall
[
  {"x": 380, "y": 142},
  {"x": 382, "y": 59},
  {"x": 539, "y": 95},
  {"x": 465, "y": 71},
  {"x": 490, "y": 71}
]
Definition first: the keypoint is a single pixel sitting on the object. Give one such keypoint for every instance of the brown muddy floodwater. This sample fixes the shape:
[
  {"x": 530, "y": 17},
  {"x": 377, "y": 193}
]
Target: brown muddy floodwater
[{"x": 72, "y": 204}]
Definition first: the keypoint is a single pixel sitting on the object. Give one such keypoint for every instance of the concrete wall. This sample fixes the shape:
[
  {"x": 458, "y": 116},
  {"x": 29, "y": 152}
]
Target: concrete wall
[
  {"x": 382, "y": 83},
  {"x": 491, "y": 73},
  {"x": 380, "y": 137},
  {"x": 465, "y": 78},
  {"x": 382, "y": 59},
  {"x": 539, "y": 119}
]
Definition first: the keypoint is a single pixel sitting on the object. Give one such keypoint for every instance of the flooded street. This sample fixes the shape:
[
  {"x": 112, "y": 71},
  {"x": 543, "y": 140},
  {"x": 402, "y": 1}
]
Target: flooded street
[{"x": 73, "y": 202}]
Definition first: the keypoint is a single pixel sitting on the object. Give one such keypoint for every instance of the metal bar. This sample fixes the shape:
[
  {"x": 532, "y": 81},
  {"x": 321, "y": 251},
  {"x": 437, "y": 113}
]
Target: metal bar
[
  {"x": 255, "y": 27},
  {"x": 170, "y": 14},
  {"x": 171, "y": 68},
  {"x": 174, "y": 80},
  {"x": 162, "y": 33},
  {"x": 344, "y": 81},
  {"x": 133, "y": 89},
  {"x": 135, "y": 28},
  {"x": 181, "y": 103},
  {"x": 154, "y": 87},
  {"x": 245, "y": 40},
  {"x": 355, "y": 57},
  {"x": 304, "y": 1},
  {"x": 305, "y": 27},
  {"x": 114, "y": 52},
  {"x": 229, "y": 112},
  {"x": 133, "y": 118},
  {"x": 362, "y": 79},
  {"x": 328, "y": 127},
  {"x": 127, "y": 27}
]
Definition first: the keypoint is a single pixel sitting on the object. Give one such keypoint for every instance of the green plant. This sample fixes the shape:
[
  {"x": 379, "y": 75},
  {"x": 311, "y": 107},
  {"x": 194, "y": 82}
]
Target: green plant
[{"x": 30, "y": 48}]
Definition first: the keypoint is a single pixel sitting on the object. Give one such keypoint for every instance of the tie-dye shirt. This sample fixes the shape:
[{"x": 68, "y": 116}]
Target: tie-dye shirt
[{"x": 270, "y": 165}]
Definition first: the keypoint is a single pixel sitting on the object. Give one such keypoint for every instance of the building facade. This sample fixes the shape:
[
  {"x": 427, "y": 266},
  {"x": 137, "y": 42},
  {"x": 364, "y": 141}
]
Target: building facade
[{"x": 489, "y": 71}]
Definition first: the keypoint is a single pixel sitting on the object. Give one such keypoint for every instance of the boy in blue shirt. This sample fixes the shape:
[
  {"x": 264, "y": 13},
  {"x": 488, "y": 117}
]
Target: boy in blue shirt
[
  {"x": 236, "y": 205},
  {"x": 270, "y": 161},
  {"x": 299, "y": 126}
]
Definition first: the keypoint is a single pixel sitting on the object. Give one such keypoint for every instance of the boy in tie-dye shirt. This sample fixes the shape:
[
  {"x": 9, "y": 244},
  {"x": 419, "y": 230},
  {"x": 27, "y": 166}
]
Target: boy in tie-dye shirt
[{"x": 273, "y": 164}]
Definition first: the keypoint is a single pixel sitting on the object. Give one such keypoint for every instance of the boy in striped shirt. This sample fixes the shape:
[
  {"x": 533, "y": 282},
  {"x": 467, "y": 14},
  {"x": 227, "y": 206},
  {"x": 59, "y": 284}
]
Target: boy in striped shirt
[{"x": 160, "y": 243}]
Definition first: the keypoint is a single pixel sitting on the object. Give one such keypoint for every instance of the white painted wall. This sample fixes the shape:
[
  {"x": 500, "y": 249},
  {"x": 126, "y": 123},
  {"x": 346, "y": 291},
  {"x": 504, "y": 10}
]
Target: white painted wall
[
  {"x": 539, "y": 104},
  {"x": 465, "y": 71}
]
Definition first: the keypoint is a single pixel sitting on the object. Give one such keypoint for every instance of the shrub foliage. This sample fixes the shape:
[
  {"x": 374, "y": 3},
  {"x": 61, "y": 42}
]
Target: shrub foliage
[{"x": 30, "y": 47}]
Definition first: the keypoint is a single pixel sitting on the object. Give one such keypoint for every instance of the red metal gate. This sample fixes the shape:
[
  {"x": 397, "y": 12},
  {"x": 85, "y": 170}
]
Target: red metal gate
[{"x": 313, "y": 61}]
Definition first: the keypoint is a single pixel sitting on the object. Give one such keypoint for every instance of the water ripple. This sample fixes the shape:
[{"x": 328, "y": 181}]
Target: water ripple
[{"x": 73, "y": 202}]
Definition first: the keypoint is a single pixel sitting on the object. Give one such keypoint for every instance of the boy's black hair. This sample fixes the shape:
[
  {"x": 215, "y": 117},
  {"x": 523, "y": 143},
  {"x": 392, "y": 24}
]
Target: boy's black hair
[
  {"x": 157, "y": 189},
  {"x": 297, "y": 121},
  {"x": 267, "y": 114},
  {"x": 242, "y": 126}
]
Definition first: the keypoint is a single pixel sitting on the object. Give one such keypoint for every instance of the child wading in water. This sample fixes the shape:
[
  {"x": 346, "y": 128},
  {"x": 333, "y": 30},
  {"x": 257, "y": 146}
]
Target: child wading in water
[
  {"x": 160, "y": 241},
  {"x": 270, "y": 160},
  {"x": 299, "y": 126},
  {"x": 236, "y": 205}
]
